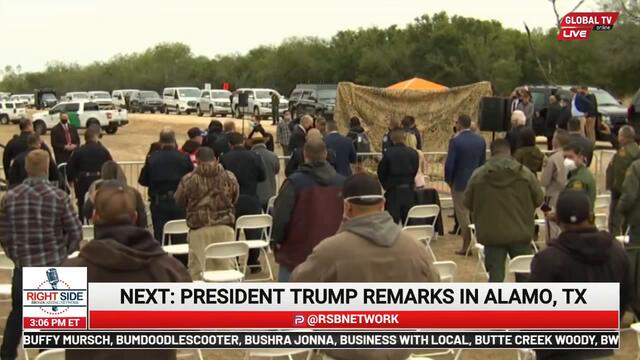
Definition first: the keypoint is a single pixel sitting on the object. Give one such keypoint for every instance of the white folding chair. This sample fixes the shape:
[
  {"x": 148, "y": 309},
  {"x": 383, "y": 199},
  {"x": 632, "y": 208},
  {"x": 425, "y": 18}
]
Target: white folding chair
[
  {"x": 602, "y": 222},
  {"x": 6, "y": 266},
  {"x": 190, "y": 354},
  {"x": 177, "y": 249},
  {"x": 474, "y": 240},
  {"x": 235, "y": 251},
  {"x": 277, "y": 353},
  {"x": 54, "y": 354},
  {"x": 446, "y": 269},
  {"x": 424, "y": 234},
  {"x": 263, "y": 222},
  {"x": 526, "y": 354},
  {"x": 87, "y": 232},
  {"x": 172, "y": 228},
  {"x": 520, "y": 265},
  {"x": 480, "y": 267},
  {"x": 423, "y": 212},
  {"x": 270, "y": 203}
]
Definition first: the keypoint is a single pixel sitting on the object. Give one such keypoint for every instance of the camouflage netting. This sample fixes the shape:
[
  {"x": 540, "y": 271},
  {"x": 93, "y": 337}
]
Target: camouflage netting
[{"x": 434, "y": 111}]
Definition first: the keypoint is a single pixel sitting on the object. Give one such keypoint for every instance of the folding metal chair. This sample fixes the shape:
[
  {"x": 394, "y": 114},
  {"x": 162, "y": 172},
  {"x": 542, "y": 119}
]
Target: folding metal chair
[
  {"x": 520, "y": 265},
  {"x": 234, "y": 251},
  {"x": 263, "y": 222},
  {"x": 446, "y": 269},
  {"x": 172, "y": 228},
  {"x": 423, "y": 212},
  {"x": 424, "y": 234}
]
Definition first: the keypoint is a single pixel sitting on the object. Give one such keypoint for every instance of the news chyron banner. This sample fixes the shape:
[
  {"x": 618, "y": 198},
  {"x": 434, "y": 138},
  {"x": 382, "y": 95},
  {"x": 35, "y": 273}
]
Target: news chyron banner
[{"x": 316, "y": 315}]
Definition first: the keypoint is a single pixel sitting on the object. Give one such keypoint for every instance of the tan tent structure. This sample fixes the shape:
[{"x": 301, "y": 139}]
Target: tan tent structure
[
  {"x": 418, "y": 84},
  {"x": 434, "y": 111}
]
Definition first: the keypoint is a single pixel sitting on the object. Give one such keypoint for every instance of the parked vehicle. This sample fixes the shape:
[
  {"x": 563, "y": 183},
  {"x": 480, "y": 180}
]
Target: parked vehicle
[
  {"x": 143, "y": 101},
  {"x": 76, "y": 96},
  {"x": 634, "y": 109},
  {"x": 102, "y": 98},
  {"x": 27, "y": 99},
  {"x": 319, "y": 100},
  {"x": 12, "y": 112},
  {"x": 610, "y": 110},
  {"x": 45, "y": 98},
  {"x": 4, "y": 95},
  {"x": 119, "y": 96},
  {"x": 180, "y": 99},
  {"x": 215, "y": 102},
  {"x": 258, "y": 102},
  {"x": 88, "y": 113}
]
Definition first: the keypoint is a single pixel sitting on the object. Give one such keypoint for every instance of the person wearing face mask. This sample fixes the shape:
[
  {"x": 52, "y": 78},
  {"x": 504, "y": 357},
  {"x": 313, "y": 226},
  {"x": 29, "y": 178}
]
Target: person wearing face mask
[
  {"x": 64, "y": 139},
  {"x": 580, "y": 178},
  {"x": 369, "y": 247}
]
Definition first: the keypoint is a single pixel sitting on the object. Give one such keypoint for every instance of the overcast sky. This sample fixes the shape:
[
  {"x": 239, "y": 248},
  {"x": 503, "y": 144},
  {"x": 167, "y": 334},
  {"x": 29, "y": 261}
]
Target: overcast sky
[{"x": 35, "y": 32}]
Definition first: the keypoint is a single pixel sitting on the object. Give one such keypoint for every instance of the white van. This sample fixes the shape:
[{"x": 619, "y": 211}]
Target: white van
[
  {"x": 180, "y": 99},
  {"x": 118, "y": 96}
]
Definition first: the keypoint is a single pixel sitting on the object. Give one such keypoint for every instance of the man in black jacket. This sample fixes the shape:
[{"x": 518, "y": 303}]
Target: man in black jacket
[
  {"x": 397, "y": 173},
  {"x": 18, "y": 145},
  {"x": 162, "y": 173},
  {"x": 551, "y": 119},
  {"x": 221, "y": 145},
  {"x": 64, "y": 139},
  {"x": 85, "y": 163},
  {"x": 299, "y": 133},
  {"x": 18, "y": 172},
  {"x": 581, "y": 254},
  {"x": 248, "y": 168}
]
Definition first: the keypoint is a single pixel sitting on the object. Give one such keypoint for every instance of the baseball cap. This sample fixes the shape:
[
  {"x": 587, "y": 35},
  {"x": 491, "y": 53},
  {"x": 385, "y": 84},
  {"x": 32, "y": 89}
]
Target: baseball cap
[
  {"x": 362, "y": 189},
  {"x": 193, "y": 132},
  {"x": 573, "y": 207}
]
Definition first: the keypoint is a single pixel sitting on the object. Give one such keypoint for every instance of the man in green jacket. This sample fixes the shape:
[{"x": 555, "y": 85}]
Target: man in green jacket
[
  {"x": 580, "y": 177},
  {"x": 502, "y": 196},
  {"x": 627, "y": 216},
  {"x": 627, "y": 153}
]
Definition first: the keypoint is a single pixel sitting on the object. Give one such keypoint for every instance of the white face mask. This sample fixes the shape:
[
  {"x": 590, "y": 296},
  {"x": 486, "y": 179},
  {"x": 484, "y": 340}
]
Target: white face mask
[{"x": 570, "y": 165}]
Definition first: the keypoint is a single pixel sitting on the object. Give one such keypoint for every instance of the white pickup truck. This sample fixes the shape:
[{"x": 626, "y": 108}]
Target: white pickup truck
[
  {"x": 88, "y": 113},
  {"x": 11, "y": 112}
]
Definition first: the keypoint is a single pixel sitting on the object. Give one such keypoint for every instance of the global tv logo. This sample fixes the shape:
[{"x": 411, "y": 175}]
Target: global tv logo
[
  {"x": 579, "y": 25},
  {"x": 54, "y": 298}
]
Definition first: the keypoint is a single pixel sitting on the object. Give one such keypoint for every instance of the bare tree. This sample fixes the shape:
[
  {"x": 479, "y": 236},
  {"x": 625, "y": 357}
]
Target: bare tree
[{"x": 558, "y": 17}]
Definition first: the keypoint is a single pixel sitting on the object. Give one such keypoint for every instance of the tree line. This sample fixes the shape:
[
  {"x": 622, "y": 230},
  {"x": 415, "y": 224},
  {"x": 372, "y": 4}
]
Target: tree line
[{"x": 451, "y": 50}]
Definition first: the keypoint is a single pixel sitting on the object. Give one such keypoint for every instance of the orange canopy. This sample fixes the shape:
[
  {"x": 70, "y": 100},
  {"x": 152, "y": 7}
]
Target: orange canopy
[{"x": 418, "y": 84}]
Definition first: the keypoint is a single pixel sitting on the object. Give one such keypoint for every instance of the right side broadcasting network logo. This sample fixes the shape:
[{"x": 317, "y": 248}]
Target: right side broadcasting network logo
[{"x": 578, "y": 25}]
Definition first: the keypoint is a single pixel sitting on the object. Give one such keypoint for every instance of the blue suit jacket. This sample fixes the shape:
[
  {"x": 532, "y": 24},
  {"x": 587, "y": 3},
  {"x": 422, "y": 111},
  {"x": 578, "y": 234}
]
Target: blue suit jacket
[
  {"x": 467, "y": 152},
  {"x": 344, "y": 151}
]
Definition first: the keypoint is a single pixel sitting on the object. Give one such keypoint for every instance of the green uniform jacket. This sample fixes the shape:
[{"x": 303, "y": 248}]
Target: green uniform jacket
[
  {"x": 531, "y": 157},
  {"x": 628, "y": 208},
  {"x": 619, "y": 165},
  {"x": 502, "y": 196},
  {"x": 582, "y": 179}
]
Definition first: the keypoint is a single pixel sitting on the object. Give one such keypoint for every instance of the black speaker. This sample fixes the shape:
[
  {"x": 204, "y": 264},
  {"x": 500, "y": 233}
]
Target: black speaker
[
  {"x": 494, "y": 114},
  {"x": 243, "y": 99}
]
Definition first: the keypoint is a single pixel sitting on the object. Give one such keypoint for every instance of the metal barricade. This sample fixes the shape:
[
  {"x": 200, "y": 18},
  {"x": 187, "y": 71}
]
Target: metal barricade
[{"x": 132, "y": 170}]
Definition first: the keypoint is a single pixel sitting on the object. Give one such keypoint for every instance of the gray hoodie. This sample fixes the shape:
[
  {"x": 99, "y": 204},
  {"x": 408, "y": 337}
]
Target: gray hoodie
[{"x": 378, "y": 228}]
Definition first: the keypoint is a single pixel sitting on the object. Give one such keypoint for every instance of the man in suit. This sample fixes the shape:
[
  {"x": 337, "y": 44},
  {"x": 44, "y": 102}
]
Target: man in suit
[
  {"x": 397, "y": 173},
  {"x": 299, "y": 134},
  {"x": 551, "y": 119},
  {"x": 64, "y": 139},
  {"x": 18, "y": 145},
  {"x": 248, "y": 168},
  {"x": 467, "y": 152},
  {"x": 343, "y": 148}
]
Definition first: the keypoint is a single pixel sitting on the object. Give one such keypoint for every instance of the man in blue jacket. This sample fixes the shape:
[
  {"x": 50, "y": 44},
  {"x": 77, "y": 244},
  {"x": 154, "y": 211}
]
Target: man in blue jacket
[
  {"x": 343, "y": 148},
  {"x": 467, "y": 152}
]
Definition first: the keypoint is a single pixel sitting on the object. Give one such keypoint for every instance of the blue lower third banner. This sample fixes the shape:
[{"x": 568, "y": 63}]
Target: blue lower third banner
[{"x": 323, "y": 339}]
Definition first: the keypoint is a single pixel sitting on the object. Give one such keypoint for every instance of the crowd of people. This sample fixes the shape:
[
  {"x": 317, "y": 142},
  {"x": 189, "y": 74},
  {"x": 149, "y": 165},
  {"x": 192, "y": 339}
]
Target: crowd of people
[{"x": 329, "y": 224}]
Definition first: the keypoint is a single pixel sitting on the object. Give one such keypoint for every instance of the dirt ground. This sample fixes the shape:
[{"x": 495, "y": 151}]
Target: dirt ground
[{"x": 131, "y": 143}]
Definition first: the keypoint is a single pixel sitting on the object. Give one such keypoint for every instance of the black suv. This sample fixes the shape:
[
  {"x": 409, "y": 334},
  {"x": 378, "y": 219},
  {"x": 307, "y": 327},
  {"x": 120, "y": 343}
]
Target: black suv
[
  {"x": 318, "y": 100},
  {"x": 142, "y": 101},
  {"x": 611, "y": 112}
]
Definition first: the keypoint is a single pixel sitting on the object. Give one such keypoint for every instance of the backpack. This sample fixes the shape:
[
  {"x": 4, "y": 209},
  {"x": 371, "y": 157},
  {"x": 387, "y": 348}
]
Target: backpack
[{"x": 361, "y": 143}]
